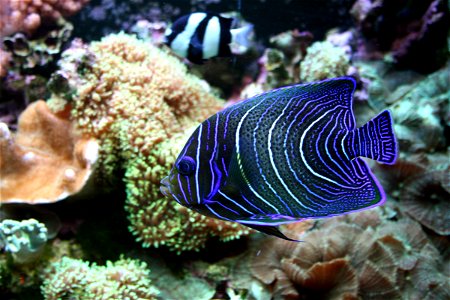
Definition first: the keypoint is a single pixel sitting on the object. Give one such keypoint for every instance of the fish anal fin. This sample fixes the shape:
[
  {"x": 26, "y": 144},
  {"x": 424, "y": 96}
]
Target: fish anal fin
[
  {"x": 271, "y": 230},
  {"x": 268, "y": 224}
]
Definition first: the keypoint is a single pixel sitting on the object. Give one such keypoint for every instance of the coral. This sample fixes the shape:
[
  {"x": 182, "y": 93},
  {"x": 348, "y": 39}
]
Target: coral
[
  {"x": 123, "y": 279},
  {"x": 141, "y": 105},
  {"x": 415, "y": 32},
  {"x": 357, "y": 256},
  {"x": 5, "y": 60},
  {"x": 46, "y": 160},
  {"x": 425, "y": 197},
  {"x": 23, "y": 239},
  {"x": 19, "y": 278},
  {"x": 419, "y": 110},
  {"x": 324, "y": 60},
  {"x": 28, "y": 53},
  {"x": 28, "y": 15}
]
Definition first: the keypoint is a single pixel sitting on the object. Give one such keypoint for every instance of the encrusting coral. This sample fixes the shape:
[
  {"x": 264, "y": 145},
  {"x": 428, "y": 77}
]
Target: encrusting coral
[
  {"x": 45, "y": 161},
  {"x": 357, "y": 256},
  {"x": 141, "y": 104},
  {"x": 28, "y": 15},
  {"x": 73, "y": 278}
]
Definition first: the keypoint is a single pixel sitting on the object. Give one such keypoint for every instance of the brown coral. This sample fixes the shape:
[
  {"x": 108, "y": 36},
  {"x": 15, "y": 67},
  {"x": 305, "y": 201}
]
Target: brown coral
[
  {"x": 27, "y": 15},
  {"x": 45, "y": 161},
  {"x": 349, "y": 257},
  {"x": 426, "y": 198}
]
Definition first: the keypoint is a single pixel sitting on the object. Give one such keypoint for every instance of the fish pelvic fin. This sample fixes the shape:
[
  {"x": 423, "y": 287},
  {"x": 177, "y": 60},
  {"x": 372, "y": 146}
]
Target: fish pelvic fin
[
  {"x": 271, "y": 230},
  {"x": 375, "y": 140}
]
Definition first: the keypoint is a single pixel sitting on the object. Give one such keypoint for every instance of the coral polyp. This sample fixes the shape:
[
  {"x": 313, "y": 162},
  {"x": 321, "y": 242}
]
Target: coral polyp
[{"x": 141, "y": 104}]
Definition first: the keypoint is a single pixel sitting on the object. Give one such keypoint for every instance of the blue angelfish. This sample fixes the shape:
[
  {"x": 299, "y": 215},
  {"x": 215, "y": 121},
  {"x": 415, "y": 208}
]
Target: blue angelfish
[{"x": 283, "y": 156}]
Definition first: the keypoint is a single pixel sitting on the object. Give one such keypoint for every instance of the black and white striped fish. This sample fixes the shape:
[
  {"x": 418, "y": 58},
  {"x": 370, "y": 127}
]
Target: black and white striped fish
[
  {"x": 200, "y": 36},
  {"x": 283, "y": 156}
]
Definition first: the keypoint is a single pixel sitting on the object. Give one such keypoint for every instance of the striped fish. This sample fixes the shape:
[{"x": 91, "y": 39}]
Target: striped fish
[
  {"x": 200, "y": 36},
  {"x": 283, "y": 156}
]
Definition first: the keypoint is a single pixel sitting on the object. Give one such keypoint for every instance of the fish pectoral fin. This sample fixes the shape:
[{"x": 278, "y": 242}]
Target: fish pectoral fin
[{"x": 271, "y": 230}]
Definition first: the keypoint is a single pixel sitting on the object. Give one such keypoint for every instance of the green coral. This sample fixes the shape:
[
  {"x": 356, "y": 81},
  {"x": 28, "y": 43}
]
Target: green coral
[
  {"x": 323, "y": 60},
  {"x": 23, "y": 239},
  {"x": 142, "y": 104},
  {"x": 76, "y": 279}
]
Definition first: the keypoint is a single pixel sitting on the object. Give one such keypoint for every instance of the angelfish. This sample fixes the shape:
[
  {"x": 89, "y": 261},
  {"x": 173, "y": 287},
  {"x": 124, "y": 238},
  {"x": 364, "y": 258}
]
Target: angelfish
[
  {"x": 283, "y": 156},
  {"x": 200, "y": 36}
]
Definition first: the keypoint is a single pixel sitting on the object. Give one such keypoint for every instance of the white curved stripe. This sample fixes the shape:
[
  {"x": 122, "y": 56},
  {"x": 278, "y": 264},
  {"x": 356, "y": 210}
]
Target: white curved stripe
[
  {"x": 303, "y": 156},
  {"x": 266, "y": 182},
  {"x": 348, "y": 166},
  {"x": 237, "y": 204},
  {"x": 216, "y": 214},
  {"x": 197, "y": 162},
  {"x": 352, "y": 181},
  {"x": 211, "y": 39},
  {"x": 180, "y": 44},
  {"x": 238, "y": 131},
  {"x": 213, "y": 156},
  {"x": 269, "y": 143},
  {"x": 286, "y": 154}
]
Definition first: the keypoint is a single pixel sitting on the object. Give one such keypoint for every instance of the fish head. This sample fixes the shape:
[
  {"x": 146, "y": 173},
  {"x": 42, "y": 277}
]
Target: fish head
[{"x": 196, "y": 177}]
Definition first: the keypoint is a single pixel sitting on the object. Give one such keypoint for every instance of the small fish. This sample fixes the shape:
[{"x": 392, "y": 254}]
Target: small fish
[
  {"x": 200, "y": 36},
  {"x": 283, "y": 156}
]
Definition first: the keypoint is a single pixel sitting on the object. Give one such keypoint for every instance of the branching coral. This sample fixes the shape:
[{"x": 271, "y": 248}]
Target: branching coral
[
  {"x": 27, "y": 15},
  {"x": 324, "y": 60},
  {"x": 23, "y": 239},
  {"x": 361, "y": 255},
  {"x": 123, "y": 279},
  {"x": 141, "y": 105},
  {"x": 45, "y": 161}
]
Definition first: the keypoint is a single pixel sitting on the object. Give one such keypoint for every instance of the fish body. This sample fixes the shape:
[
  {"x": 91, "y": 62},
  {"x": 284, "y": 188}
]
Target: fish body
[
  {"x": 200, "y": 36},
  {"x": 283, "y": 156}
]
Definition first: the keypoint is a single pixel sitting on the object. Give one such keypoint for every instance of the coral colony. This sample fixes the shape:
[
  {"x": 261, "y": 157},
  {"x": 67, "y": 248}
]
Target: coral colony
[{"x": 202, "y": 150}]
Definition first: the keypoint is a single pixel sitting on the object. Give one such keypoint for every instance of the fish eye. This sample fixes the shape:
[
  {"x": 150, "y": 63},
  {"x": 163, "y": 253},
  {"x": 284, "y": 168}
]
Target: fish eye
[{"x": 186, "y": 166}]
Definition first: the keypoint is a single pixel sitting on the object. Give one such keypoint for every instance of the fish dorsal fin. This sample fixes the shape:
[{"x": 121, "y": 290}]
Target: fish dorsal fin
[
  {"x": 271, "y": 230},
  {"x": 341, "y": 88}
]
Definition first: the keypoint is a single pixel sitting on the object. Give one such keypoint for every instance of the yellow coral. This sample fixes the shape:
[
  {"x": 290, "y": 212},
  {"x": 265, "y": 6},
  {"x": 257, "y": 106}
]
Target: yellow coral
[
  {"x": 323, "y": 60},
  {"x": 142, "y": 105}
]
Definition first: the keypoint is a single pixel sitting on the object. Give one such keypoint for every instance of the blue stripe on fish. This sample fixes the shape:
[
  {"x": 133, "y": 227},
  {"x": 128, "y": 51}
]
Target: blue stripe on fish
[{"x": 283, "y": 156}]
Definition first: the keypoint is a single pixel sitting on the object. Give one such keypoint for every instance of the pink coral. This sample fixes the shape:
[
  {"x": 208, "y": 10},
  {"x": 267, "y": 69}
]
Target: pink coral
[
  {"x": 28, "y": 15},
  {"x": 357, "y": 256}
]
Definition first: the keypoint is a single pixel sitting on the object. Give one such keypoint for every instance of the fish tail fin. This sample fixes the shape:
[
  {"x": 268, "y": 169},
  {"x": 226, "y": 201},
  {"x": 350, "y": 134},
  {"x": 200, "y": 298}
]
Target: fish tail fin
[
  {"x": 240, "y": 37},
  {"x": 376, "y": 139}
]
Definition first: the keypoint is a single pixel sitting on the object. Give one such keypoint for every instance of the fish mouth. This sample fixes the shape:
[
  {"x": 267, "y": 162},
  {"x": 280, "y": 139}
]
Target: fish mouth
[{"x": 164, "y": 188}]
